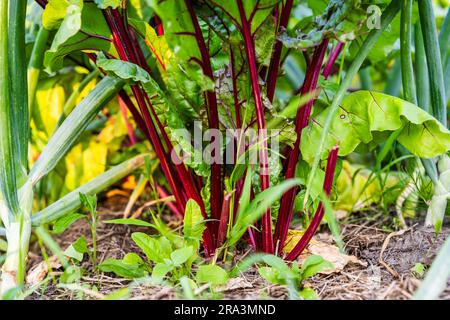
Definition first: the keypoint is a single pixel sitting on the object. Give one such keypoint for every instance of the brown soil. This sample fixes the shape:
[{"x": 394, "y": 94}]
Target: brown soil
[{"x": 390, "y": 279}]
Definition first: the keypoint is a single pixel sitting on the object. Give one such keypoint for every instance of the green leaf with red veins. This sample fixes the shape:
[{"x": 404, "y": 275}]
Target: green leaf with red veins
[
  {"x": 81, "y": 26},
  {"x": 255, "y": 10}
]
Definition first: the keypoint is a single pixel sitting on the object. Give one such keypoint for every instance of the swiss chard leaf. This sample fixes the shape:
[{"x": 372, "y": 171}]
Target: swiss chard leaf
[
  {"x": 368, "y": 117},
  {"x": 341, "y": 20},
  {"x": 81, "y": 26}
]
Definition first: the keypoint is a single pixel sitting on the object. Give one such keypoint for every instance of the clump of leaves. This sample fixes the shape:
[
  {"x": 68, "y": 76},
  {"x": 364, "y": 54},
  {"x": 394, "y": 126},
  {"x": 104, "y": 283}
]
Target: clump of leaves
[
  {"x": 169, "y": 256},
  {"x": 277, "y": 271}
]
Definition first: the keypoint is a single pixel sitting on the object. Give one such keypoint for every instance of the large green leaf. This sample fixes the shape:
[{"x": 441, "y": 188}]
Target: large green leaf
[
  {"x": 55, "y": 12},
  {"x": 386, "y": 18},
  {"x": 368, "y": 117},
  {"x": 178, "y": 27},
  {"x": 81, "y": 26}
]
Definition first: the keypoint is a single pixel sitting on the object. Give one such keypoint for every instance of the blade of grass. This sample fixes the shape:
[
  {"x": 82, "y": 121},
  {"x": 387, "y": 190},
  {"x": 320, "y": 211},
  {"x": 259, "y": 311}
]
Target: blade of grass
[{"x": 255, "y": 209}]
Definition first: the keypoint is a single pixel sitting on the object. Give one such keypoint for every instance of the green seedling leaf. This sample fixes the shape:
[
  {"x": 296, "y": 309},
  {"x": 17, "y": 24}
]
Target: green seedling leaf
[
  {"x": 133, "y": 258},
  {"x": 308, "y": 294},
  {"x": 77, "y": 249},
  {"x": 150, "y": 246},
  {"x": 160, "y": 271},
  {"x": 212, "y": 274},
  {"x": 71, "y": 274},
  {"x": 74, "y": 254},
  {"x": 418, "y": 270},
  {"x": 167, "y": 245},
  {"x": 278, "y": 263},
  {"x": 272, "y": 275},
  {"x": 63, "y": 223},
  {"x": 193, "y": 225},
  {"x": 313, "y": 265},
  {"x": 131, "y": 266},
  {"x": 120, "y": 294},
  {"x": 182, "y": 255},
  {"x": 188, "y": 285},
  {"x": 89, "y": 202}
]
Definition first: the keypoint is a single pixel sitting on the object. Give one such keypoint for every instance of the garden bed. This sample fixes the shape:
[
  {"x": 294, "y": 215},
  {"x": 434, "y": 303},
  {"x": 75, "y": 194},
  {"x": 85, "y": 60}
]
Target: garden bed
[{"x": 392, "y": 279}]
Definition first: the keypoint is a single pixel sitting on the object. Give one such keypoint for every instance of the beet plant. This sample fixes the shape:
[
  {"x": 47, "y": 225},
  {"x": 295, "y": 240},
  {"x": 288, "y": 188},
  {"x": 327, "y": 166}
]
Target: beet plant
[{"x": 206, "y": 84}]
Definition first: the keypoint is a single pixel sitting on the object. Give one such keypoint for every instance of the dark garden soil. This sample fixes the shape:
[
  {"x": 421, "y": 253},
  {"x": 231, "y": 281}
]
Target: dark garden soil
[{"x": 389, "y": 257}]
